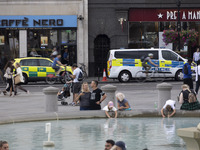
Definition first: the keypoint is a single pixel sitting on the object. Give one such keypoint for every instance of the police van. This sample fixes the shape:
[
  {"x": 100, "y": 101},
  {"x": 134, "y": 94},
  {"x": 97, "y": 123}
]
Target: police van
[{"x": 123, "y": 64}]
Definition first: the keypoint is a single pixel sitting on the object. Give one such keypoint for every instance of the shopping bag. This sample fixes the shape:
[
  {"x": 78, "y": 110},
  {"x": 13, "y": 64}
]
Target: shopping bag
[{"x": 17, "y": 79}]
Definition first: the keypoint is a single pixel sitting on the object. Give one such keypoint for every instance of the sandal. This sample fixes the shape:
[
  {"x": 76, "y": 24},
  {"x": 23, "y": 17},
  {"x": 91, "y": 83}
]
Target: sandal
[{"x": 4, "y": 92}]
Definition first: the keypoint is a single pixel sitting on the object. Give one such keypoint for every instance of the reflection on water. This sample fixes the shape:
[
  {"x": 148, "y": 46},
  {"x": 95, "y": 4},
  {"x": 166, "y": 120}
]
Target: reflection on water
[{"x": 84, "y": 134}]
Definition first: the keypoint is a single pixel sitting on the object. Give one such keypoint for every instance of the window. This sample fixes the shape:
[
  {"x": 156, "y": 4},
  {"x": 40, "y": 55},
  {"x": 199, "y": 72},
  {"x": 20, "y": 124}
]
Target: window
[
  {"x": 167, "y": 55},
  {"x": 145, "y": 53},
  {"x": 29, "y": 62},
  {"x": 126, "y": 54},
  {"x": 43, "y": 62}
]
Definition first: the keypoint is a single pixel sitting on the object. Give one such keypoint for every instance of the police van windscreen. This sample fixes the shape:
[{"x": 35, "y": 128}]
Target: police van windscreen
[{"x": 135, "y": 54}]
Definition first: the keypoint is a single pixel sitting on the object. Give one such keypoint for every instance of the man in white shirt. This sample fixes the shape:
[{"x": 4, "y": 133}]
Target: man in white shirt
[
  {"x": 76, "y": 85},
  {"x": 196, "y": 55},
  {"x": 168, "y": 108},
  {"x": 197, "y": 79}
]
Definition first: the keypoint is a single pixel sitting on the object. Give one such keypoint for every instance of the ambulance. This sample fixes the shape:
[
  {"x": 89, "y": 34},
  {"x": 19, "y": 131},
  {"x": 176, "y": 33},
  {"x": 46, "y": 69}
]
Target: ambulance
[{"x": 123, "y": 64}]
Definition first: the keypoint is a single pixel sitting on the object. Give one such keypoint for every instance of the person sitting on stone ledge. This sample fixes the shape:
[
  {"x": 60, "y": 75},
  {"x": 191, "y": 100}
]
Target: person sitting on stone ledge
[
  {"x": 122, "y": 103},
  {"x": 188, "y": 99},
  {"x": 168, "y": 109},
  {"x": 110, "y": 107}
]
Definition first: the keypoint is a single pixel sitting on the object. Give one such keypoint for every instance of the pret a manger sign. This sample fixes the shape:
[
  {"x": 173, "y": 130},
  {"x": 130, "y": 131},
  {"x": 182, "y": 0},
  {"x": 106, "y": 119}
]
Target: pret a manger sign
[{"x": 164, "y": 15}]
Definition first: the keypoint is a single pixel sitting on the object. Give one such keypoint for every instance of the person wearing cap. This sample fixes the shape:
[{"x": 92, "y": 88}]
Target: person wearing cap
[
  {"x": 119, "y": 145},
  {"x": 146, "y": 66},
  {"x": 110, "y": 107},
  {"x": 187, "y": 78}
]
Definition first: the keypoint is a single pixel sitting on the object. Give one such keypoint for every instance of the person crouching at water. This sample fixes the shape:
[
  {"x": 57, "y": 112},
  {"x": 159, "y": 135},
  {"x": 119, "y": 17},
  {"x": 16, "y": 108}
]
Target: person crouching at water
[{"x": 110, "y": 107}]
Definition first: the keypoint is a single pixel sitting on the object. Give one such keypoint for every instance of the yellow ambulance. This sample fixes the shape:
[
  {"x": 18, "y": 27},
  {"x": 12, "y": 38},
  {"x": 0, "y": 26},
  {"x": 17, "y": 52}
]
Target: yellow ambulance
[{"x": 37, "y": 68}]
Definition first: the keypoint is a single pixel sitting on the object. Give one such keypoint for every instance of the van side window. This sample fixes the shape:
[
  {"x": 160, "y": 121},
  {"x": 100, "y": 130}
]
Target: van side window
[
  {"x": 145, "y": 53},
  {"x": 167, "y": 55},
  {"x": 29, "y": 62},
  {"x": 127, "y": 54}
]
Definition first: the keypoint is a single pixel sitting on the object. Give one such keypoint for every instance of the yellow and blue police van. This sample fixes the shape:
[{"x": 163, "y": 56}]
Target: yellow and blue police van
[
  {"x": 123, "y": 64},
  {"x": 37, "y": 68}
]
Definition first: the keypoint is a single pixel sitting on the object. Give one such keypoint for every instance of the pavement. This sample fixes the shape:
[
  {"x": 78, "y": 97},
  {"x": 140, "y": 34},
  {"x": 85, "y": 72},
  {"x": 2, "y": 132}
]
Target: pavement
[{"x": 32, "y": 107}]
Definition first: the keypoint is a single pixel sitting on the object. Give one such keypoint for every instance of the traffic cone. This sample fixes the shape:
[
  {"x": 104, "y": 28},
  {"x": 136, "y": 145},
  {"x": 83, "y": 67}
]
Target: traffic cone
[{"x": 104, "y": 75}]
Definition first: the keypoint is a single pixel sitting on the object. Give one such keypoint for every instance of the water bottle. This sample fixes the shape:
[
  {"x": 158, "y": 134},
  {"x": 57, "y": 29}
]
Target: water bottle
[{"x": 156, "y": 105}]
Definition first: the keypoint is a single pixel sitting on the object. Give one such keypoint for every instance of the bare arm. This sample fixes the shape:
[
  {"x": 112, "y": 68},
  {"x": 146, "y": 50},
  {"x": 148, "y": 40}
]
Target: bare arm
[
  {"x": 102, "y": 99},
  {"x": 162, "y": 113},
  {"x": 115, "y": 114},
  {"x": 78, "y": 97},
  {"x": 106, "y": 112},
  {"x": 181, "y": 98},
  {"x": 174, "y": 111},
  {"x": 60, "y": 63},
  {"x": 152, "y": 63}
]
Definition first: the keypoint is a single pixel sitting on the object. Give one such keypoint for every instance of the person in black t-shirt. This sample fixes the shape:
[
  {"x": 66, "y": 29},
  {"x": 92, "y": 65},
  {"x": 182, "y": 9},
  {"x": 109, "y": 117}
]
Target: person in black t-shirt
[{"x": 97, "y": 96}]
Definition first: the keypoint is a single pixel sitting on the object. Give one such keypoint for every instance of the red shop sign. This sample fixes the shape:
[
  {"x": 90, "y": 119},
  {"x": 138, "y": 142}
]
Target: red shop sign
[{"x": 164, "y": 15}]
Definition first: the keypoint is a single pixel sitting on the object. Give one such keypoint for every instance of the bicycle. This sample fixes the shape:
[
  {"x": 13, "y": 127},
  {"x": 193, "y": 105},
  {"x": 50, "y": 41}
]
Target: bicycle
[
  {"x": 64, "y": 77},
  {"x": 153, "y": 75},
  {"x": 82, "y": 67}
]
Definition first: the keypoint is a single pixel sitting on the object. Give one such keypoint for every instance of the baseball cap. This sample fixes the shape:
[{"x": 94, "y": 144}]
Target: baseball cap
[
  {"x": 121, "y": 144},
  {"x": 150, "y": 54},
  {"x": 110, "y": 104}
]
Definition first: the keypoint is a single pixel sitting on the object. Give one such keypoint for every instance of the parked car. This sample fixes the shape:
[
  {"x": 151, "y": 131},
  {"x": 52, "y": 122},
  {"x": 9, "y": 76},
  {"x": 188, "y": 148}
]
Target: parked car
[{"x": 37, "y": 68}]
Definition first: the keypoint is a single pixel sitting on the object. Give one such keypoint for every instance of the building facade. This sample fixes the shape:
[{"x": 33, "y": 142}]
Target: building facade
[
  {"x": 115, "y": 24},
  {"x": 42, "y": 25}
]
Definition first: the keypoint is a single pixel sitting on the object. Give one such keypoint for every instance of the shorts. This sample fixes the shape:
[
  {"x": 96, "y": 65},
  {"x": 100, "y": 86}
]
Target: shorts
[
  {"x": 56, "y": 68},
  {"x": 76, "y": 87},
  {"x": 146, "y": 66}
]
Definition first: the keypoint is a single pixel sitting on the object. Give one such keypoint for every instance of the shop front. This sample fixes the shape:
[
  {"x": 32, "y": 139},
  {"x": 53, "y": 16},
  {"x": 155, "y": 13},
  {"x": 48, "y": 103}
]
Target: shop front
[
  {"x": 146, "y": 28},
  {"x": 40, "y": 26}
]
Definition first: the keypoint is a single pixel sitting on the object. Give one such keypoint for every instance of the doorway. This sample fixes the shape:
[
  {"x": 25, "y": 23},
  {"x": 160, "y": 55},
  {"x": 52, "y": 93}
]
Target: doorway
[{"x": 101, "y": 49}]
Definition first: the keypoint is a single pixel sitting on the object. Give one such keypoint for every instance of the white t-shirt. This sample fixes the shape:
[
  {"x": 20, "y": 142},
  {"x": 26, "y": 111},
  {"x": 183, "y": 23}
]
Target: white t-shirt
[
  {"x": 197, "y": 73},
  {"x": 171, "y": 103},
  {"x": 196, "y": 56},
  {"x": 76, "y": 73},
  {"x": 106, "y": 108}
]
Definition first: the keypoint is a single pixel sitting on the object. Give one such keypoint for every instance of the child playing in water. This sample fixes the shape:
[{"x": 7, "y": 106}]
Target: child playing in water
[{"x": 110, "y": 107}]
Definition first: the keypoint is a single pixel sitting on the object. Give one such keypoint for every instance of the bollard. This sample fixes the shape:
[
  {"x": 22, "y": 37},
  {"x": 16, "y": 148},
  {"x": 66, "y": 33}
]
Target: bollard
[
  {"x": 51, "y": 104},
  {"x": 110, "y": 92},
  {"x": 164, "y": 93}
]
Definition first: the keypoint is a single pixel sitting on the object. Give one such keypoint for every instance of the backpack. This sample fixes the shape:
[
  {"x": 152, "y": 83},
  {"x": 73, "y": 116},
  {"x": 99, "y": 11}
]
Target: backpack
[
  {"x": 142, "y": 58},
  {"x": 80, "y": 76},
  {"x": 192, "y": 97},
  {"x": 185, "y": 69}
]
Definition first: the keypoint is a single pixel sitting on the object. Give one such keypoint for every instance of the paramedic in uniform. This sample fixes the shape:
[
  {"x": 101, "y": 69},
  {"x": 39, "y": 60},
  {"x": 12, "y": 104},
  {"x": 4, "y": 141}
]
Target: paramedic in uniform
[
  {"x": 97, "y": 96},
  {"x": 146, "y": 66},
  {"x": 76, "y": 85}
]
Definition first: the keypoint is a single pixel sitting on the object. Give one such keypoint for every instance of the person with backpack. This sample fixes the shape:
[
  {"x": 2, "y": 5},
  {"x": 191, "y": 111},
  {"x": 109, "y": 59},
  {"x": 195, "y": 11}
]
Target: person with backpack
[
  {"x": 187, "y": 73},
  {"x": 145, "y": 60},
  {"x": 76, "y": 83},
  {"x": 197, "y": 79},
  {"x": 188, "y": 99}
]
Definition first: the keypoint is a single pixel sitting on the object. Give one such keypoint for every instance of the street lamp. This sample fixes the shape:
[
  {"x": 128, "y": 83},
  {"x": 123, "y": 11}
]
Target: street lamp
[{"x": 178, "y": 3}]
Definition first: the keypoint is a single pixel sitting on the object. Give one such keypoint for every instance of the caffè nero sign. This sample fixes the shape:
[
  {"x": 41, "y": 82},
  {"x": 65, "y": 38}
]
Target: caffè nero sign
[{"x": 38, "y": 21}]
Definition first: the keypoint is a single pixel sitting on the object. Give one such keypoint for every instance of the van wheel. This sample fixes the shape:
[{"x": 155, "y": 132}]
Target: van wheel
[
  {"x": 124, "y": 76},
  {"x": 179, "y": 75},
  {"x": 25, "y": 77}
]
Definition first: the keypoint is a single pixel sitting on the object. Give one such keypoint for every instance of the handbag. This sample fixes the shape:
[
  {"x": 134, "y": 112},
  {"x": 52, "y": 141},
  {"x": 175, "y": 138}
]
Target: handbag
[
  {"x": 6, "y": 75},
  {"x": 17, "y": 79}
]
